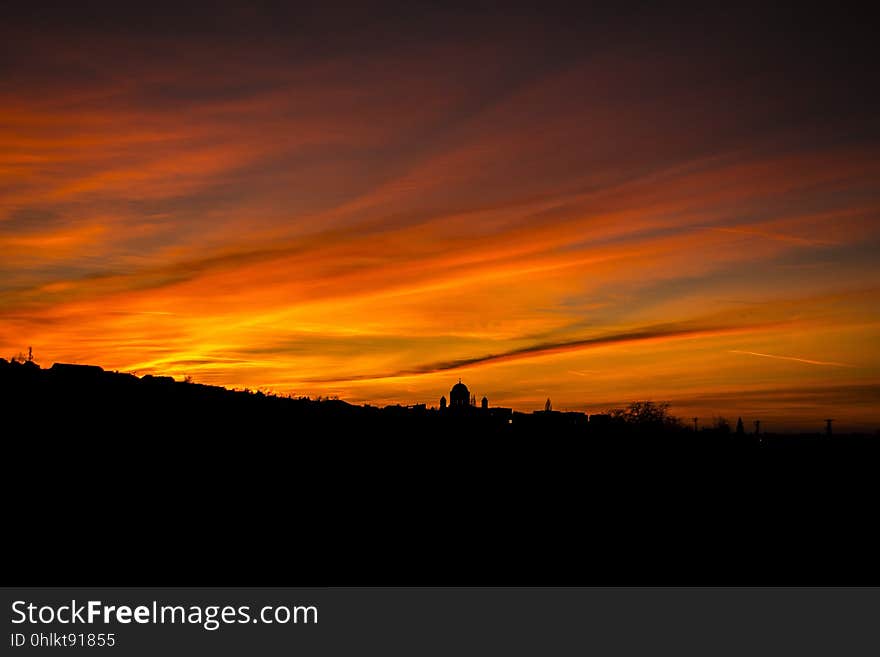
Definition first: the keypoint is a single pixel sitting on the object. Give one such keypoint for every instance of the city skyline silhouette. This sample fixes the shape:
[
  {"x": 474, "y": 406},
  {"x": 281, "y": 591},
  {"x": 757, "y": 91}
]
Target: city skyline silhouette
[{"x": 460, "y": 402}]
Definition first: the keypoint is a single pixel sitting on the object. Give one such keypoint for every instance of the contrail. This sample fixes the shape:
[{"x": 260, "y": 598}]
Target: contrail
[{"x": 797, "y": 360}]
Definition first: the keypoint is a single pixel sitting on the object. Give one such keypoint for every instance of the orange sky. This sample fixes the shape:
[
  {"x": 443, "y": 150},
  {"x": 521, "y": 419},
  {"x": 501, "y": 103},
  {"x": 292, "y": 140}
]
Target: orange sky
[{"x": 628, "y": 221}]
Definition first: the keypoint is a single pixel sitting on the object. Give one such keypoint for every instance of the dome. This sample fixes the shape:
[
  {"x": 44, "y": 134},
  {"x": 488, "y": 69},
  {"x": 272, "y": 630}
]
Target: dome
[{"x": 459, "y": 395}]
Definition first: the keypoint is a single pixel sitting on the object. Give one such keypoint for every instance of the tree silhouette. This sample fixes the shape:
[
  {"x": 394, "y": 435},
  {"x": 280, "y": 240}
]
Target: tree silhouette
[{"x": 647, "y": 414}]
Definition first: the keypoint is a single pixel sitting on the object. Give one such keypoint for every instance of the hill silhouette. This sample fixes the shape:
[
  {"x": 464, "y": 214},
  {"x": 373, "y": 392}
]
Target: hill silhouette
[
  {"x": 230, "y": 487},
  {"x": 68, "y": 397}
]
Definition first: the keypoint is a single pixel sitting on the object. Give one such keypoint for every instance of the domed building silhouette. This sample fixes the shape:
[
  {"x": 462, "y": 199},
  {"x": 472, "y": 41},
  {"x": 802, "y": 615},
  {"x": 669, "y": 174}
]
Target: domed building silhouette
[
  {"x": 459, "y": 396},
  {"x": 463, "y": 404}
]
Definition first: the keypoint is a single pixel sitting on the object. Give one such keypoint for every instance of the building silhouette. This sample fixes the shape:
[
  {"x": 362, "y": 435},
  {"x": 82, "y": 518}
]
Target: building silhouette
[{"x": 459, "y": 396}]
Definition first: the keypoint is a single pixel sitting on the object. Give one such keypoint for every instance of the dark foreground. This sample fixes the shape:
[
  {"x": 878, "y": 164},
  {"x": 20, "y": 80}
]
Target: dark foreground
[{"x": 116, "y": 480}]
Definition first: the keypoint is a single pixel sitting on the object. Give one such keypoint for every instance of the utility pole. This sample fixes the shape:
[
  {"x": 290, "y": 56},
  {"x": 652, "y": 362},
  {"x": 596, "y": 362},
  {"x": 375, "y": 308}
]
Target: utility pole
[
  {"x": 695, "y": 424},
  {"x": 757, "y": 427},
  {"x": 828, "y": 426}
]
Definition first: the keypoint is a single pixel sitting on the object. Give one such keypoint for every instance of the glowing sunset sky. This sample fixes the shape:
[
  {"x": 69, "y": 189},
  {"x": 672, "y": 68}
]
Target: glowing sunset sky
[{"x": 592, "y": 207}]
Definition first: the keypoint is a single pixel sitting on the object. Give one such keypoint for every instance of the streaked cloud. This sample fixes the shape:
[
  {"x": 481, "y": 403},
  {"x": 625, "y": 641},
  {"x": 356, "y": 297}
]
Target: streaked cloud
[{"x": 594, "y": 220}]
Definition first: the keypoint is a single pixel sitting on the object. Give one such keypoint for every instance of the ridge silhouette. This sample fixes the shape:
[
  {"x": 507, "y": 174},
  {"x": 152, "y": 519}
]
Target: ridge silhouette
[
  {"x": 114, "y": 401},
  {"x": 220, "y": 486}
]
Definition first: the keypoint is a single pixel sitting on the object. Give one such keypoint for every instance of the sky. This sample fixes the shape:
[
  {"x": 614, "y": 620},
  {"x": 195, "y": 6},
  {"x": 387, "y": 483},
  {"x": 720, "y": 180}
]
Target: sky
[{"x": 594, "y": 203}]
